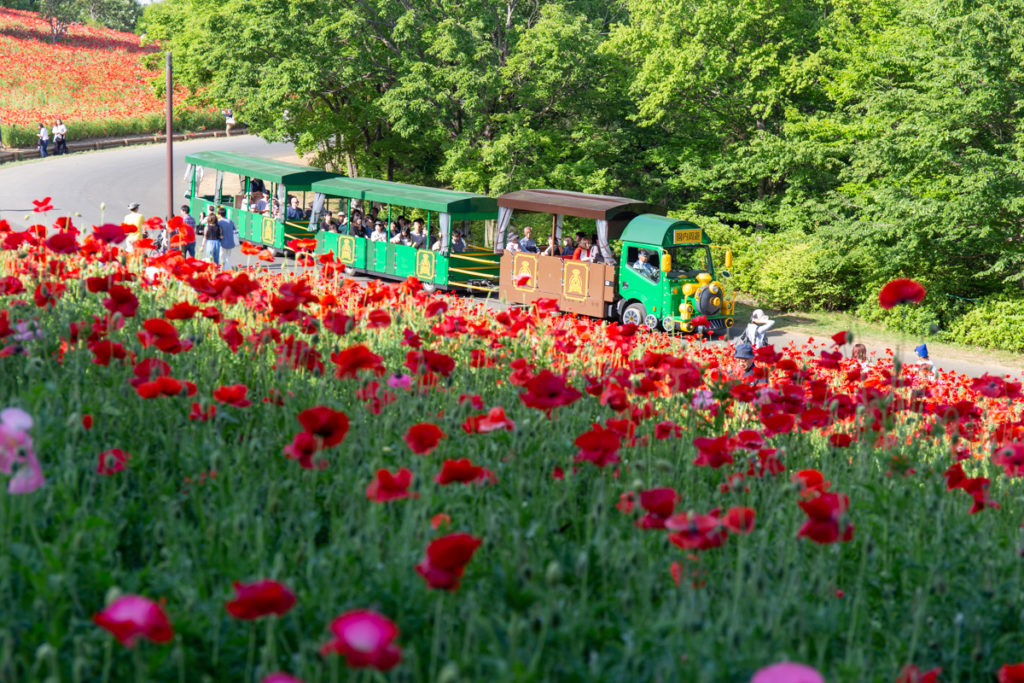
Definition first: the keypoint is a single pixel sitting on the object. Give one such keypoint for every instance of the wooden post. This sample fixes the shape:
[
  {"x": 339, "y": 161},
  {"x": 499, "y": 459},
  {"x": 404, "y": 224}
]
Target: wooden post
[{"x": 170, "y": 139}]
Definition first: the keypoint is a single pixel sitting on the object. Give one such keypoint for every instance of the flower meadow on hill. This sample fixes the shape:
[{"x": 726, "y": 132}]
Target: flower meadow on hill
[
  {"x": 90, "y": 76},
  {"x": 280, "y": 476}
]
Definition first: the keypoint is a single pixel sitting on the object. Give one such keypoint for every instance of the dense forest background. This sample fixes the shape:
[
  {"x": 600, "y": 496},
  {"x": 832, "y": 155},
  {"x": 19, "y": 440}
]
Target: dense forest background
[{"x": 834, "y": 144}]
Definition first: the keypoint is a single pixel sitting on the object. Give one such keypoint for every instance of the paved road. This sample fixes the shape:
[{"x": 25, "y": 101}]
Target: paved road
[{"x": 81, "y": 182}]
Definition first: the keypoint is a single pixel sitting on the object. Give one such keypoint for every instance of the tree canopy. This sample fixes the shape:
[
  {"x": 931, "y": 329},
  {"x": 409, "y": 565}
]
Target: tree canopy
[{"x": 852, "y": 140}]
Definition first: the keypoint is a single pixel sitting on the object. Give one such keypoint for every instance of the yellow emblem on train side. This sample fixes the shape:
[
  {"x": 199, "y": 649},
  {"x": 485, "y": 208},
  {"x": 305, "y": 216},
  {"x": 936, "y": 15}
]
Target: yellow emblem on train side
[
  {"x": 687, "y": 236},
  {"x": 525, "y": 264},
  {"x": 347, "y": 249},
  {"x": 269, "y": 230},
  {"x": 575, "y": 280},
  {"x": 425, "y": 265}
]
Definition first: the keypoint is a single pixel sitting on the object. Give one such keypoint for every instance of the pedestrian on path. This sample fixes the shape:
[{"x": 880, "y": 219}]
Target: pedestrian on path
[
  {"x": 44, "y": 140},
  {"x": 187, "y": 232},
  {"x": 211, "y": 238},
  {"x": 60, "y": 133},
  {"x": 925, "y": 363},
  {"x": 756, "y": 329},
  {"x": 228, "y": 238},
  {"x": 133, "y": 217},
  {"x": 229, "y": 121}
]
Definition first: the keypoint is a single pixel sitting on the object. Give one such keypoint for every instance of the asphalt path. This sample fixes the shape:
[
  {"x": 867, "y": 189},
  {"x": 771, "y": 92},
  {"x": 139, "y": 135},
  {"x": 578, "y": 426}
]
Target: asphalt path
[{"x": 80, "y": 183}]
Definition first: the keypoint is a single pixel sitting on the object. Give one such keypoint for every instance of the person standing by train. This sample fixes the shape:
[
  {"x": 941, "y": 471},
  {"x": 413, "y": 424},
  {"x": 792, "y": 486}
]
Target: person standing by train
[
  {"x": 228, "y": 238},
  {"x": 211, "y": 238}
]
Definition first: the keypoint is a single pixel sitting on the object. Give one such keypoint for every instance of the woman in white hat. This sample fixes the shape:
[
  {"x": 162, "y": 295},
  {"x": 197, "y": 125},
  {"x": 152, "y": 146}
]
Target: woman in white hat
[{"x": 757, "y": 328}]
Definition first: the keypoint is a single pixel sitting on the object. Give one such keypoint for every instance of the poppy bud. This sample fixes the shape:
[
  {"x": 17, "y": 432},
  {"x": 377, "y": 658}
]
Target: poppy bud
[{"x": 553, "y": 573}]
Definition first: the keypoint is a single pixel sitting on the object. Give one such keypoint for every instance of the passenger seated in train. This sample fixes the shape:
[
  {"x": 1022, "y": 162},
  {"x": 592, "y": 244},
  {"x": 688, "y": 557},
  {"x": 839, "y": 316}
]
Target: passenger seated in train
[
  {"x": 458, "y": 243},
  {"x": 327, "y": 222},
  {"x": 256, "y": 185},
  {"x": 582, "y": 252},
  {"x": 402, "y": 237},
  {"x": 294, "y": 211},
  {"x": 595, "y": 250},
  {"x": 257, "y": 202},
  {"x": 512, "y": 246},
  {"x": 379, "y": 234},
  {"x": 359, "y": 229},
  {"x": 643, "y": 266},
  {"x": 527, "y": 244},
  {"x": 552, "y": 248},
  {"x": 419, "y": 238},
  {"x": 568, "y": 246}
]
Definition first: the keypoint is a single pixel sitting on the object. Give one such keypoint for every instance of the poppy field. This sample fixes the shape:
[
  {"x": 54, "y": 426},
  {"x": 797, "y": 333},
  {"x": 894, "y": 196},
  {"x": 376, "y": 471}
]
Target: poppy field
[
  {"x": 95, "y": 79},
  {"x": 281, "y": 476}
]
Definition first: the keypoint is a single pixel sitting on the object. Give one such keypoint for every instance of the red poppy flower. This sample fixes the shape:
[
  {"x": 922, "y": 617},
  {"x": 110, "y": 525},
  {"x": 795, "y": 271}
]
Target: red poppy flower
[
  {"x": 63, "y": 243},
  {"x": 328, "y": 424},
  {"x": 1011, "y": 673},
  {"x": 422, "y": 438},
  {"x": 109, "y": 233},
  {"x": 899, "y": 292},
  {"x": 387, "y": 486},
  {"x": 660, "y": 504},
  {"x": 426, "y": 360},
  {"x": 112, "y": 461},
  {"x": 163, "y": 335},
  {"x": 42, "y": 205},
  {"x": 739, "y": 520},
  {"x": 713, "y": 453},
  {"x": 777, "y": 423},
  {"x": 280, "y": 677},
  {"x": 439, "y": 520},
  {"x": 200, "y": 415},
  {"x": 87, "y": 422},
  {"x": 378, "y": 319},
  {"x": 1011, "y": 458},
  {"x": 547, "y": 391},
  {"x": 911, "y": 674},
  {"x": 131, "y": 617},
  {"x": 104, "y": 350},
  {"x": 365, "y": 639},
  {"x": 260, "y": 599},
  {"x": 435, "y": 307},
  {"x": 694, "y": 531},
  {"x": 233, "y": 395},
  {"x": 463, "y": 471},
  {"x": 182, "y": 310},
  {"x": 599, "y": 445},
  {"x": 48, "y": 293},
  {"x": 161, "y": 386},
  {"x": 121, "y": 300},
  {"x": 826, "y": 518},
  {"x": 977, "y": 488},
  {"x": 811, "y": 482},
  {"x": 842, "y": 338},
  {"x": 266, "y": 255},
  {"x": 339, "y": 323},
  {"x": 494, "y": 420},
  {"x": 357, "y": 358},
  {"x": 11, "y": 285},
  {"x": 446, "y": 560},
  {"x": 302, "y": 448}
]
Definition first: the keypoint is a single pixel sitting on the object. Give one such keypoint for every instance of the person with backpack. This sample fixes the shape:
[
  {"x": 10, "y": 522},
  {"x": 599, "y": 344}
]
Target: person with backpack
[{"x": 757, "y": 328}]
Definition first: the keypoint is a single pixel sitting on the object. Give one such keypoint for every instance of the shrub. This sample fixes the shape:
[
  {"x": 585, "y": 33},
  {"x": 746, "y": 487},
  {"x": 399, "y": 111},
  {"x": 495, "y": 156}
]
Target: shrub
[
  {"x": 25, "y": 136},
  {"x": 994, "y": 323}
]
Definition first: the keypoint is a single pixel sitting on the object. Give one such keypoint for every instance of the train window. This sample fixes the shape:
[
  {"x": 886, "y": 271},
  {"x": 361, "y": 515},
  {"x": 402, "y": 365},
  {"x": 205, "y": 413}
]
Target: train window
[
  {"x": 645, "y": 262},
  {"x": 690, "y": 261}
]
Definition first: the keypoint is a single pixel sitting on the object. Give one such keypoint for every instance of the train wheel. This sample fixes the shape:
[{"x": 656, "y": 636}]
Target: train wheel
[
  {"x": 651, "y": 321},
  {"x": 635, "y": 314}
]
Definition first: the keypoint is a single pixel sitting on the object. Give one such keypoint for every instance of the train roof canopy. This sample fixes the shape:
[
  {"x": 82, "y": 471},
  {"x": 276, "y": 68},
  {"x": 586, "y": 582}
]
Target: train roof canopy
[
  {"x": 581, "y": 204},
  {"x": 651, "y": 229},
  {"x": 252, "y": 166},
  {"x": 461, "y": 205}
]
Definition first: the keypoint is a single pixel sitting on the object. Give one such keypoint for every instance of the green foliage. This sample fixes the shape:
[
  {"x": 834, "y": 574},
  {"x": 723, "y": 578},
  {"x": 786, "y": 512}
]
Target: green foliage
[
  {"x": 994, "y": 323},
  {"x": 121, "y": 15}
]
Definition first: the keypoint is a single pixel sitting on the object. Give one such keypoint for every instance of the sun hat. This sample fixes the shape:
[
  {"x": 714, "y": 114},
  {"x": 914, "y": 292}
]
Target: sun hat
[
  {"x": 743, "y": 351},
  {"x": 133, "y": 206},
  {"x": 758, "y": 317},
  {"x": 922, "y": 351}
]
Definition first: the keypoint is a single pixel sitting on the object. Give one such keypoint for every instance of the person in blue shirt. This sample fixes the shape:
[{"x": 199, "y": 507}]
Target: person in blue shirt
[
  {"x": 645, "y": 267},
  {"x": 228, "y": 239},
  {"x": 294, "y": 211},
  {"x": 527, "y": 244}
]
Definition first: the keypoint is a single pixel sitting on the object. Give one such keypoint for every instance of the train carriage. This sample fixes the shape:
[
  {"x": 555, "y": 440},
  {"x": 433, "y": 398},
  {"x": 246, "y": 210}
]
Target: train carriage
[
  {"x": 475, "y": 269},
  {"x": 678, "y": 287},
  {"x": 237, "y": 173}
]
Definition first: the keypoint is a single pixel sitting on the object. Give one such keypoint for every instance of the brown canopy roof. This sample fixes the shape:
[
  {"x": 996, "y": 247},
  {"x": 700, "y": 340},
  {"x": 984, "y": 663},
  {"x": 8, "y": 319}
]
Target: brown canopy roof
[{"x": 597, "y": 206}]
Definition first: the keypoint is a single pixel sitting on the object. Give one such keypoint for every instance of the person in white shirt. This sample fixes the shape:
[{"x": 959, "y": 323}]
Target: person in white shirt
[
  {"x": 418, "y": 237},
  {"x": 379, "y": 234},
  {"x": 44, "y": 140},
  {"x": 60, "y": 132},
  {"x": 757, "y": 328}
]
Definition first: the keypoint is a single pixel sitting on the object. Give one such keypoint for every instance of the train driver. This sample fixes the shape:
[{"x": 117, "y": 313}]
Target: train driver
[{"x": 643, "y": 266}]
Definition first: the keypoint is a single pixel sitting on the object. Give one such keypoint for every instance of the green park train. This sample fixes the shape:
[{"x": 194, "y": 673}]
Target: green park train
[{"x": 678, "y": 292}]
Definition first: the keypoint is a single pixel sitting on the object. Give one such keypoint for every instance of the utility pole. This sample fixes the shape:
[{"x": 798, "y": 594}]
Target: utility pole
[{"x": 169, "y": 92}]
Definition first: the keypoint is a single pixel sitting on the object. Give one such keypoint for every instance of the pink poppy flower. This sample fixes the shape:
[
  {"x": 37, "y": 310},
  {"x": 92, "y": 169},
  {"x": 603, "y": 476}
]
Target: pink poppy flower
[
  {"x": 365, "y": 639},
  {"x": 131, "y": 617},
  {"x": 787, "y": 672}
]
